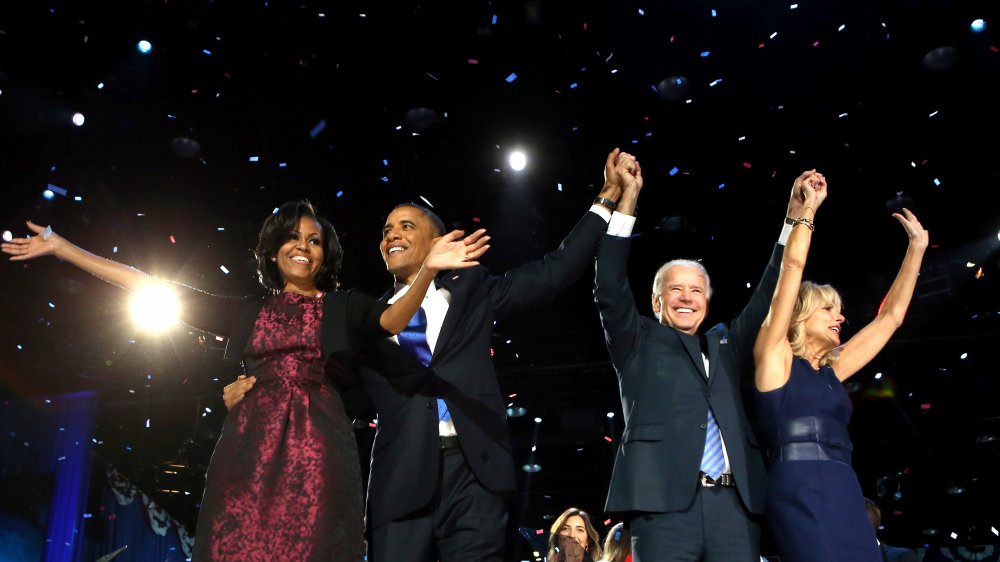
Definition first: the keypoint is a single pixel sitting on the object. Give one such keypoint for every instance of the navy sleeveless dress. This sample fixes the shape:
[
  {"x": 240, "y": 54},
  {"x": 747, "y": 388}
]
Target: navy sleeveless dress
[{"x": 814, "y": 505}]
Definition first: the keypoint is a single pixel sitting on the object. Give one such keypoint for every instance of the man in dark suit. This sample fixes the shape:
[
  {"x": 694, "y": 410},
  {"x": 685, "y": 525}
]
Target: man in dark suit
[
  {"x": 889, "y": 553},
  {"x": 441, "y": 465},
  {"x": 681, "y": 503}
]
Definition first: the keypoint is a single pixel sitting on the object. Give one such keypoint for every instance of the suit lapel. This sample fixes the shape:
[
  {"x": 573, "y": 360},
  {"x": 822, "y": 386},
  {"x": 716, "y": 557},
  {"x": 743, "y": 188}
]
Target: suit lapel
[{"x": 693, "y": 349}]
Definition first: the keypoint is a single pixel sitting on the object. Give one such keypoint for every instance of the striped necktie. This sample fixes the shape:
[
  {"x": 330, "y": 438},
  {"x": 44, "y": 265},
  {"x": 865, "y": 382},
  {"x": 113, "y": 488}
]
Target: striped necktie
[{"x": 712, "y": 460}]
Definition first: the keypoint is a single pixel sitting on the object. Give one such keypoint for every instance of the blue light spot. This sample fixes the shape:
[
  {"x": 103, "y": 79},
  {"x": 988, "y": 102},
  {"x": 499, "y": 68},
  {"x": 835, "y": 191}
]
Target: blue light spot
[
  {"x": 674, "y": 170},
  {"x": 705, "y": 54},
  {"x": 340, "y": 194},
  {"x": 207, "y": 52},
  {"x": 511, "y": 78},
  {"x": 722, "y": 186},
  {"x": 144, "y": 47},
  {"x": 572, "y": 86},
  {"x": 977, "y": 25},
  {"x": 937, "y": 182},
  {"x": 494, "y": 22},
  {"x": 714, "y": 13}
]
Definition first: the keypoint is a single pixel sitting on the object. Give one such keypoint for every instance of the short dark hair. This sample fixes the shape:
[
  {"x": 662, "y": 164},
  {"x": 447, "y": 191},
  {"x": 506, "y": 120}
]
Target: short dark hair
[
  {"x": 436, "y": 221},
  {"x": 274, "y": 233}
]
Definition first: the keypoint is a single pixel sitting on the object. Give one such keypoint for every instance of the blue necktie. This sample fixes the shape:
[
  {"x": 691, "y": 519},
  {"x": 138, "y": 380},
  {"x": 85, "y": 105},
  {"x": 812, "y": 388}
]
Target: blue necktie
[
  {"x": 712, "y": 460},
  {"x": 413, "y": 339}
]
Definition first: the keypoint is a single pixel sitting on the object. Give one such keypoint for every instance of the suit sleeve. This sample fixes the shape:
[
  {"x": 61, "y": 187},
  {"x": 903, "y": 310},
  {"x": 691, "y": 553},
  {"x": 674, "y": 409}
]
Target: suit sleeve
[
  {"x": 539, "y": 282},
  {"x": 207, "y": 312},
  {"x": 747, "y": 324},
  {"x": 365, "y": 315},
  {"x": 615, "y": 302}
]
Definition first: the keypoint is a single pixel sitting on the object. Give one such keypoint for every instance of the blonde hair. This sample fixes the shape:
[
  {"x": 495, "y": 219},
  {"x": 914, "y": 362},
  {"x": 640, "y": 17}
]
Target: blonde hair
[
  {"x": 812, "y": 297},
  {"x": 618, "y": 543},
  {"x": 593, "y": 546}
]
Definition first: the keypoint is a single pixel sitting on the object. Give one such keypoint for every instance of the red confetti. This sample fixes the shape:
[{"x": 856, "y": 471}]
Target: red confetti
[
  {"x": 747, "y": 165},
  {"x": 476, "y": 219},
  {"x": 172, "y": 241},
  {"x": 925, "y": 406},
  {"x": 514, "y": 395},
  {"x": 372, "y": 424},
  {"x": 607, "y": 522},
  {"x": 491, "y": 352},
  {"x": 473, "y": 61},
  {"x": 606, "y": 438},
  {"x": 672, "y": 37},
  {"x": 816, "y": 44},
  {"x": 539, "y": 531},
  {"x": 760, "y": 45}
]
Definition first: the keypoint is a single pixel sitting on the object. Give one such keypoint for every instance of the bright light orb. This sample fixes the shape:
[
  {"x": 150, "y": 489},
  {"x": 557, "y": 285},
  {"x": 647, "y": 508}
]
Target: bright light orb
[
  {"x": 977, "y": 25},
  {"x": 78, "y": 119},
  {"x": 154, "y": 308},
  {"x": 144, "y": 47},
  {"x": 518, "y": 160}
]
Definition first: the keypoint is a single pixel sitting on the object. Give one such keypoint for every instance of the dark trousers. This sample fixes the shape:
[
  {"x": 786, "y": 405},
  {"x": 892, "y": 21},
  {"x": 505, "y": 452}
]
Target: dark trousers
[
  {"x": 464, "y": 522},
  {"x": 716, "y": 528}
]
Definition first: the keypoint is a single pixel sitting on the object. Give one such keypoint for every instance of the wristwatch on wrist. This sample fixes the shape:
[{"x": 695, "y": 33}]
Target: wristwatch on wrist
[{"x": 606, "y": 202}]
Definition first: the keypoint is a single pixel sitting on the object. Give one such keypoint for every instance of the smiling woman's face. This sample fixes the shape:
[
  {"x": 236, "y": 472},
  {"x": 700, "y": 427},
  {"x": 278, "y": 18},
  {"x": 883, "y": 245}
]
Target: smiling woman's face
[{"x": 301, "y": 256}]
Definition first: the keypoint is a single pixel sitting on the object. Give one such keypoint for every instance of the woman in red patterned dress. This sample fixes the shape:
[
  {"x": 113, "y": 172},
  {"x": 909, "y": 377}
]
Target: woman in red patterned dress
[{"x": 284, "y": 481}]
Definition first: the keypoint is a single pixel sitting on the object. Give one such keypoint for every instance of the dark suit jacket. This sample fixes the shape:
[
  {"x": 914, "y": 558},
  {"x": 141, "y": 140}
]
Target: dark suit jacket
[
  {"x": 665, "y": 395},
  {"x": 405, "y": 454}
]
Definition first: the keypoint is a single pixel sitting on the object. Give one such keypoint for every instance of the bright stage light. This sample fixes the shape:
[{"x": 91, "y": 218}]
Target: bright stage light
[
  {"x": 78, "y": 119},
  {"x": 518, "y": 160},
  {"x": 977, "y": 25},
  {"x": 144, "y": 46},
  {"x": 154, "y": 308}
]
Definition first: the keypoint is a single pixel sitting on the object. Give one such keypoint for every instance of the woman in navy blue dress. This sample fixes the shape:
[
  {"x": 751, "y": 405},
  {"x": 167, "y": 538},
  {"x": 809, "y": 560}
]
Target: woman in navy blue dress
[{"x": 814, "y": 505}]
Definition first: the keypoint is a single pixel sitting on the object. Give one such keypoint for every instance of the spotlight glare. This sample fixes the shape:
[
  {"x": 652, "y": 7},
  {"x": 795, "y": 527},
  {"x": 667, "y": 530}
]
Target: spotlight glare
[
  {"x": 144, "y": 47},
  {"x": 977, "y": 25},
  {"x": 154, "y": 308},
  {"x": 48, "y": 194},
  {"x": 518, "y": 160},
  {"x": 538, "y": 420},
  {"x": 78, "y": 119},
  {"x": 531, "y": 467},
  {"x": 611, "y": 415}
]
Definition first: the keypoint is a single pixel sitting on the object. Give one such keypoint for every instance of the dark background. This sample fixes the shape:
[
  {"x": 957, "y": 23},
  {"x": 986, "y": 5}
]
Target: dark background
[{"x": 897, "y": 107}]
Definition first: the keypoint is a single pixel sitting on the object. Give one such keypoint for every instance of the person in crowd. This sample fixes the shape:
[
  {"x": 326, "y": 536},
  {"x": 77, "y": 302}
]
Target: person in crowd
[
  {"x": 689, "y": 476},
  {"x": 814, "y": 504},
  {"x": 573, "y": 538},
  {"x": 618, "y": 544},
  {"x": 889, "y": 553},
  {"x": 284, "y": 479}
]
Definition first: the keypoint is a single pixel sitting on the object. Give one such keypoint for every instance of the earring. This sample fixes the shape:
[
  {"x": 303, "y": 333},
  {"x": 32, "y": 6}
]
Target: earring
[{"x": 274, "y": 258}]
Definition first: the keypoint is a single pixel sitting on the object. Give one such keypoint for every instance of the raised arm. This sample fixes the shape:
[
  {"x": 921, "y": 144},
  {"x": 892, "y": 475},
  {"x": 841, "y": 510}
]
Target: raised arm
[
  {"x": 772, "y": 352},
  {"x": 863, "y": 347},
  {"x": 48, "y": 243},
  {"x": 612, "y": 291},
  {"x": 450, "y": 251}
]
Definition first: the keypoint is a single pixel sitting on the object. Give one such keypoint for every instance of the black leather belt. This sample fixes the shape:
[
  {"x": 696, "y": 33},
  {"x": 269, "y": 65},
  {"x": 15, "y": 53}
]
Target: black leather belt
[
  {"x": 449, "y": 442},
  {"x": 724, "y": 480}
]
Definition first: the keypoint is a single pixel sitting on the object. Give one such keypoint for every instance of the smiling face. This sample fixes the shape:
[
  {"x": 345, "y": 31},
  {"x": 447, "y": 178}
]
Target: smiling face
[
  {"x": 407, "y": 238},
  {"x": 301, "y": 255},
  {"x": 682, "y": 301},
  {"x": 823, "y": 327}
]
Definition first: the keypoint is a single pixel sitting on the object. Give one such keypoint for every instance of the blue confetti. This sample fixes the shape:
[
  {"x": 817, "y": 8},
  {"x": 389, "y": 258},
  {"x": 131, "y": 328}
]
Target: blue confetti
[
  {"x": 494, "y": 19},
  {"x": 317, "y": 129},
  {"x": 704, "y": 54},
  {"x": 340, "y": 194},
  {"x": 511, "y": 77},
  {"x": 674, "y": 170},
  {"x": 255, "y": 158},
  {"x": 572, "y": 86}
]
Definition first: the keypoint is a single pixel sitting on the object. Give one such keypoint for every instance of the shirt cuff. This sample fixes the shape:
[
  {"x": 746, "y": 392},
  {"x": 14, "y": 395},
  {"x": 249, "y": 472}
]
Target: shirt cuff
[
  {"x": 786, "y": 231},
  {"x": 621, "y": 225},
  {"x": 601, "y": 211}
]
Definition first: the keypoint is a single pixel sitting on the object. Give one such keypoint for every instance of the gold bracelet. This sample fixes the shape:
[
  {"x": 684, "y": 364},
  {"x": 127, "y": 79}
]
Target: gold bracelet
[{"x": 806, "y": 221}]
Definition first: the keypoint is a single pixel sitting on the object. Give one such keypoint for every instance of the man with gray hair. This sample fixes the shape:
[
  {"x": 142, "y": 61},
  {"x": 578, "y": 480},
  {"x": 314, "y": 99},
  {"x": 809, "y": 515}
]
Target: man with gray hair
[{"x": 689, "y": 475}]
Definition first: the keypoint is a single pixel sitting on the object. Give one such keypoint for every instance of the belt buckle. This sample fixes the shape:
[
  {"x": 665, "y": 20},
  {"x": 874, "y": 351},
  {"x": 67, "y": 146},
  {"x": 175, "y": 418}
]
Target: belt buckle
[{"x": 706, "y": 481}]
